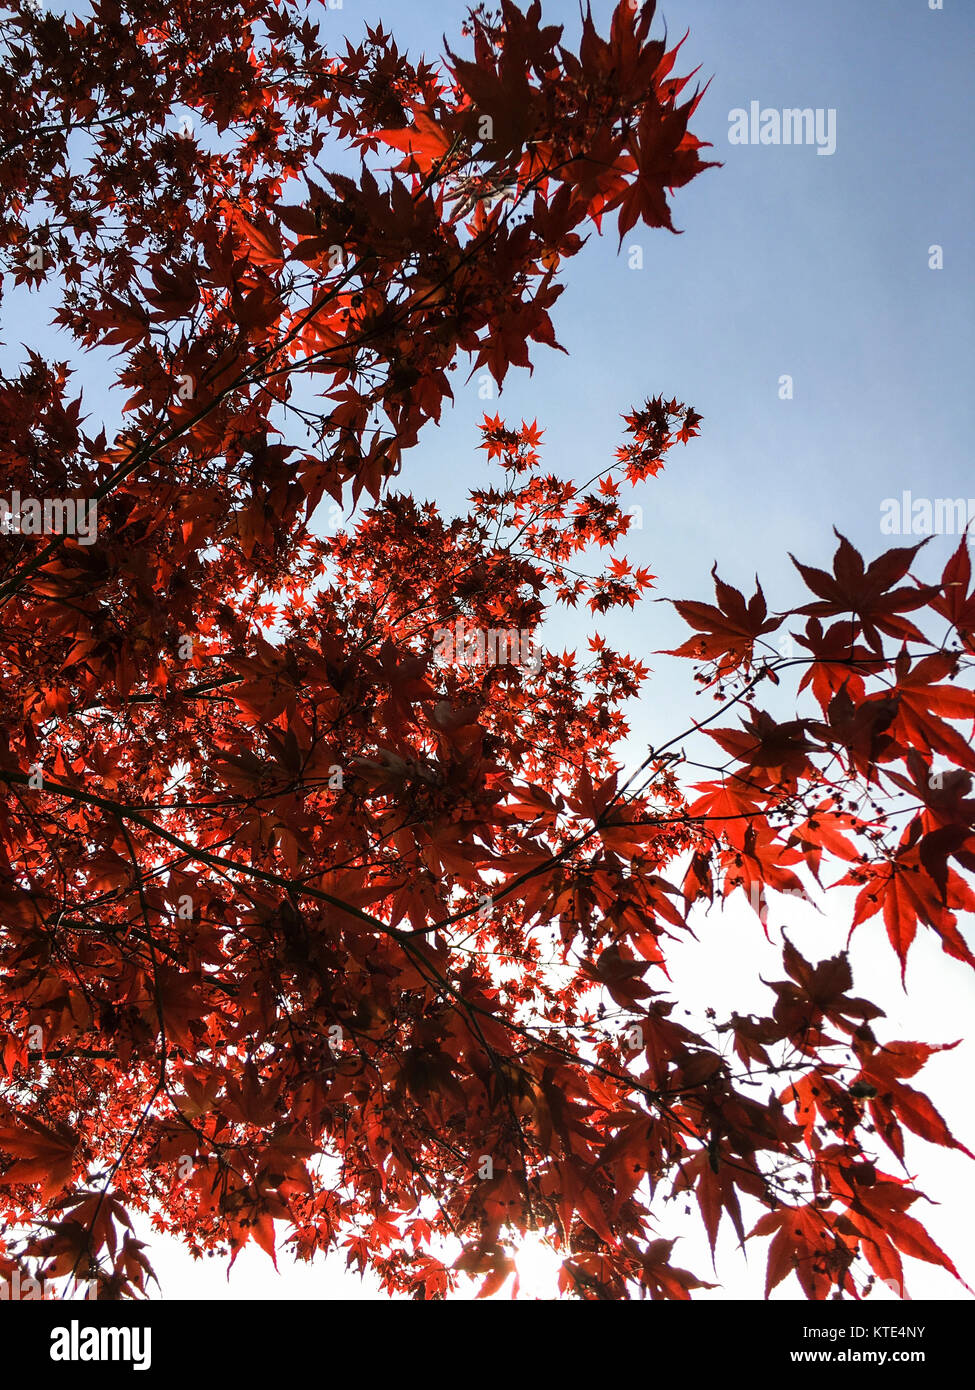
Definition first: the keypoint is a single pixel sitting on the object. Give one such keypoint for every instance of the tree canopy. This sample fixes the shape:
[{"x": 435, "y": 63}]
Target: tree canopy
[{"x": 316, "y": 909}]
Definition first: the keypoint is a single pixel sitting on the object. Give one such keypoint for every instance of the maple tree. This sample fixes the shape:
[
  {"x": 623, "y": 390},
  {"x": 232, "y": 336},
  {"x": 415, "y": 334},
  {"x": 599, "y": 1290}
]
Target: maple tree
[{"x": 299, "y": 924}]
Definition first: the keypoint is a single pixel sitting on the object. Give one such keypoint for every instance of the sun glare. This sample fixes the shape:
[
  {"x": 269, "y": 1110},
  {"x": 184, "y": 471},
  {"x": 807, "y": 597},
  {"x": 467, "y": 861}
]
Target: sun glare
[{"x": 538, "y": 1268}]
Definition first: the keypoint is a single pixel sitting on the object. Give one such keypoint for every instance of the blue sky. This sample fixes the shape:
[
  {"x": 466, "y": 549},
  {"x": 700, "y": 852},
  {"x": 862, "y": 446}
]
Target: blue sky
[{"x": 791, "y": 263}]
